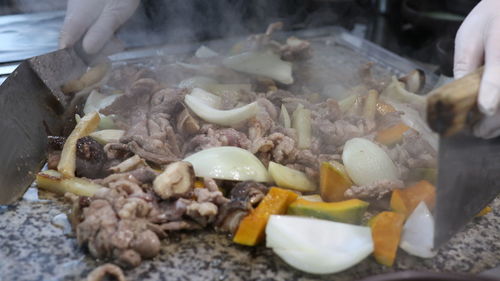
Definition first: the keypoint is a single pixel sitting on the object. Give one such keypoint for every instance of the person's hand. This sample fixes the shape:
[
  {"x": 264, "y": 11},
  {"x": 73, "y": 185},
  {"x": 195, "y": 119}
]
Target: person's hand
[
  {"x": 478, "y": 41},
  {"x": 95, "y": 21}
]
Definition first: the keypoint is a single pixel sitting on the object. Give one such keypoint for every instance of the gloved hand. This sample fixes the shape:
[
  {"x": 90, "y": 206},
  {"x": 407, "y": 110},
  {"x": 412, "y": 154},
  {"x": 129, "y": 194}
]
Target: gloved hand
[
  {"x": 95, "y": 21},
  {"x": 478, "y": 41}
]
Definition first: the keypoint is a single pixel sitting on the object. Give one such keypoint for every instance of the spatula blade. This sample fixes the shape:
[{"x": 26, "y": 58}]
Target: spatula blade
[
  {"x": 31, "y": 107},
  {"x": 468, "y": 179}
]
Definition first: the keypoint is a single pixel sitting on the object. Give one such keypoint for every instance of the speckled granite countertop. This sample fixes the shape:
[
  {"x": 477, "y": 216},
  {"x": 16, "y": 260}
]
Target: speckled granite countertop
[{"x": 32, "y": 248}]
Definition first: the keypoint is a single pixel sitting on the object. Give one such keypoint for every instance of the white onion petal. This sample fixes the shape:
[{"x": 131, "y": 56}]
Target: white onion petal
[
  {"x": 97, "y": 101},
  {"x": 265, "y": 64},
  {"x": 220, "y": 117},
  {"x": 205, "y": 52},
  {"x": 366, "y": 162},
  {"x": 207, "y": 98},
  {"x": 318, "y": 246},
  {"x": 418, "y": 233},
  {"x": 228, "y": 163}
]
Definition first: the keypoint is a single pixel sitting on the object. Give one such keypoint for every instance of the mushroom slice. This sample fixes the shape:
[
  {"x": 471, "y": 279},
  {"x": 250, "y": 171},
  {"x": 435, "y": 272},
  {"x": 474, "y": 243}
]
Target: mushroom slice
[
  {"x": 177, "y": 180},
  {"x": 414, "y": 81}
]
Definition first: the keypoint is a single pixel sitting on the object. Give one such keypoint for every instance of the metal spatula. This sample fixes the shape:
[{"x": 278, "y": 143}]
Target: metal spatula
[
  {"x": 469, "y": 167},
  {"x": 31, "y": 106}
]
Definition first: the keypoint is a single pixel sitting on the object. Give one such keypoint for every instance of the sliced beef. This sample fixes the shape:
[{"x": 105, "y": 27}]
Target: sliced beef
[
  {"x": 275, "y": 147},
  {"x": 339, "y": 131},
  {"x": 243, "y": 197},
  {"x": 373, "y": 191},
  {"x": 211, "y": 136}
]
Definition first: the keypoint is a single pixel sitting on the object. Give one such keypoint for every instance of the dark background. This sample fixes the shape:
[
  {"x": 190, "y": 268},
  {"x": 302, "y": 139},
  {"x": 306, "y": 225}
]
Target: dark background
[{"x": 412, "y": 28}]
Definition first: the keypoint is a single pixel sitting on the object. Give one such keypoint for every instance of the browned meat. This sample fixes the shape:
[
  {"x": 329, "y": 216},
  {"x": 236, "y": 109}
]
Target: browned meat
[
  {"x": 248, "y": 191},
  {"x": 277, "y": 96},
  {"x": 244, "y": 196},
  {"x": 230, "y": 215},
  {"x": 275, "y": 147},
  {"x": 266, "y": 116},
  {"x": 211, "y": 136},
  {"x": 107, "y": 269},
  {"x": 338, "y": 132},
  {"x": 373, "y": 191}
]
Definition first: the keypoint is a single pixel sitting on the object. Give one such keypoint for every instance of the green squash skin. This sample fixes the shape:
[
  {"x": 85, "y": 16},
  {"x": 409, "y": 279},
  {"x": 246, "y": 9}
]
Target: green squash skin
[{"x": 352, "y": 215}]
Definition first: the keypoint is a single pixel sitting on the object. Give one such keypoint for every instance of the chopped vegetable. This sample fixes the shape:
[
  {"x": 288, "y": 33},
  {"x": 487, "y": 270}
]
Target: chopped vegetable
[
  {"x": 333, "y": 181},
  {"x": 312, "y": 198},
  {"x": 405, "y": 200},
  {"x": 484, "y": 211},
  {"x": 229, "y": 163},
  {"x": 87, "y": 125},
  {"x": 366, "y": 162},
  {"x": 251, "y": 229},
  {"x": 318, "y": 246},
  {"x": 418, "y": 233},
  {"x": 97, "y": 101},
  {"x": 265, "y": 64},
  {"x": 290, "y": 178},
  {"x": 220, "y": 117},
  {"x": 89, "y": 78},
  {"x": 348, "y": 211},
  {"x": 205, "y": 52},
  {"x": 396, "y": 91},
  {"x": 284, "y": 117},
  {"x": 384, "y": 108},
  {"x": 370, "y": 106},
  {"x": 414, "y": 81},
  {"x": 107, "y": 136},
  {"x": 54, "y": 181},
  {"x": 413, "y": 119},
  {"x": 386, "y": 233},
  {"x": 301, "y": 122},
  {"x": 207, "y": 98},
  {"x": 346, "y": 103},
  {"x": 199, "y": 184},
  {"x": 392, "y": 135}
]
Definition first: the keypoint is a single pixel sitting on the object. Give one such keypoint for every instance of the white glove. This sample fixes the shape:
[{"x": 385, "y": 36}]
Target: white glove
[
  {"x": 478, "y": 41},
  {"x": 95, "y": 21}
]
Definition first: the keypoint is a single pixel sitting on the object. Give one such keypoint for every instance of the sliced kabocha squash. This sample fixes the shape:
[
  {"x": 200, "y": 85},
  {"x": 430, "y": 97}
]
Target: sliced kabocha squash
[
  {"x": 333, "y": 181},
  {"x": 405, "y": 200},
  {"x": 252, "y": 228},
  {"x": 348, "y": 211},
  {"x": 386, "y": 234}
]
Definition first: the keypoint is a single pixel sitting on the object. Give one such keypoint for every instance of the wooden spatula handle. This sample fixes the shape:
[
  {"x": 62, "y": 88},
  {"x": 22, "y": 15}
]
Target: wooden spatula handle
[{"x": 450, "y": 107}]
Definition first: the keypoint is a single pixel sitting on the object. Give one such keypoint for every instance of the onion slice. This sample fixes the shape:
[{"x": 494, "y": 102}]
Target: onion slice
[
  {"x": 418, "y": 233},
  {"x": 318, "y": 246},
  {"x": 265, "y": 64},
  {"x": 228, "y": 163},
  {"x": 366, "y": 162},
  {"x": 220, "y": 117},
  {"x": 208, "y": 98}
]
